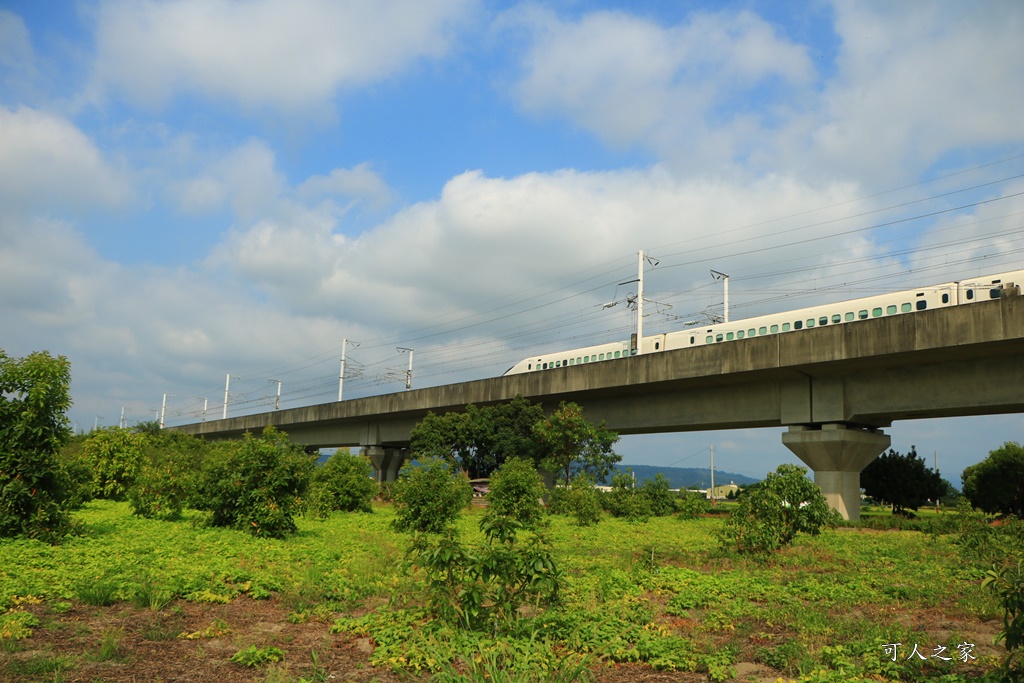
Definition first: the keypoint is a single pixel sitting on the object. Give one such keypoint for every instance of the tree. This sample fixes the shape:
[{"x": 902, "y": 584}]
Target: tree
[
  {"x": 516, "y": 490},
  {"x": 659, "y": 495},
  {"x": 344, "y": 483},
  {"x": 255, "y": 484},
  {"x": 167, "y": 471},
  {"x": 568, "y": 443},
  {"x": 902, "y": 481},
  {"x": 115, "y": 456},
  {"x": 996, "y": 484},
  {"x": 429, "y": 495},
  {"x": 768, "y": 518},
  {"x": 480, "y": 439},
  {"x": 34, "y": 397},
  {"x": 625, "y": 500}
]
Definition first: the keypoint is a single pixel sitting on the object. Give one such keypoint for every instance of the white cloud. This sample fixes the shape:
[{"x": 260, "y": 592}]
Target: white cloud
[
  {"x": 632, "y": 81},
  {"x": 47, "y": 163},
  {"x": 282, "y": 54},
  {"x": 917, "y": 81},
  {"x": 359, "y": 183}
]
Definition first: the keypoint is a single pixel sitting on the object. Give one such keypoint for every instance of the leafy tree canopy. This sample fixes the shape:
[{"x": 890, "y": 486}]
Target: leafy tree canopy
[
  {"x": 902, "y": 481},
  {"x": 480, "y": 439},
  {"x": 996, "y": 484},
  {"x": 569, "y": 443},
  {"x": 34, "y": 398}
]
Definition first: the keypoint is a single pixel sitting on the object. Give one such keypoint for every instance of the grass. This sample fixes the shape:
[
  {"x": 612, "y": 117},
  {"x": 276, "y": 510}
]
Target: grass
[{"x": 662, "y": 593}]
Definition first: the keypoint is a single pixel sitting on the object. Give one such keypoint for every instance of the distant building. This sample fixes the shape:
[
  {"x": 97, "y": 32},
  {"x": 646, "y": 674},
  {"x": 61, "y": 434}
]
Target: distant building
[{"x": 722, "y": 492}]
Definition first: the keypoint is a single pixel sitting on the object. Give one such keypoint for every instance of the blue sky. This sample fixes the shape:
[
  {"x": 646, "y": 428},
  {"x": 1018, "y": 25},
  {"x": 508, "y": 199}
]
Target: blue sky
[{"x": 194, "y": 188}]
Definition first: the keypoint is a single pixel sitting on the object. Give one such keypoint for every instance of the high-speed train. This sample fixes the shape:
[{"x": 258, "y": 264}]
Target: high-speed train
[{"x": 898, "y": 303}]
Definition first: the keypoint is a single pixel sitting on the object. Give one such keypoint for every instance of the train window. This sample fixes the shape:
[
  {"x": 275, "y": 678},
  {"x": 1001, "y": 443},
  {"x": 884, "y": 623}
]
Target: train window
[
  {"x": 823, "y": 320},
  {"x": 762, "y": 330},
  {"x": 850, "y": 316},
  {"x": 692, "y": 339},
  {"x": 863, "y": 315},
  {"x": 618, "y": 354},
  {"x": 751, "y": 332},
  {"x": 572, "y": 361},
  {"x": 709, "y": 340},
  {"x": 970, "y": 294},
  {"x": 798, "y": 325},
  {"x": 529, "y": 366},
  {"x": 545, "y": 366},
  {"x": 890, "y": 310},
  {"x": 876, "y": 312},
  {"x": 741, "y": 334},
  {"x": 785, "y": 327},
  {"x": 945, "y": 298},
  {"x": 836, "y": 318},
  {"x": 922, "y": 304},
  {"x": 578, "y": 360},
  {"x": 810, "y": 322},
  {"x": 905, "y": 308},
  {"x": 729, "y": 336},
  {"x": 657, "y": 345},
  {"x": 718, "y": 337},
  {"x": 994, "y": 293},
  {"x": 601, "y": 357},
  {"x": 775, "y": 329},
  {"x": 586, "y": 359}
]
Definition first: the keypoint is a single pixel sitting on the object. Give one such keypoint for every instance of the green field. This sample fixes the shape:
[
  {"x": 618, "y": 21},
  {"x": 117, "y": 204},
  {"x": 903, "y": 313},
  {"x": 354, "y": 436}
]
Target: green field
[{"x": 660, "y": 595}]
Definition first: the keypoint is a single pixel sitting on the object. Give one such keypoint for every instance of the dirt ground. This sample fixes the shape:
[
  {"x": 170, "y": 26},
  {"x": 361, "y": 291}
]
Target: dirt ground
[{"x": 127, "y": 644}]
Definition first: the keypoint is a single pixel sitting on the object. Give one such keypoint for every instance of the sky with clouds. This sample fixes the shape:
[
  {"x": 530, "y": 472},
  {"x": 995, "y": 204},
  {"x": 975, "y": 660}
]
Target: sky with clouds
[{"x": 191, "y": 188}]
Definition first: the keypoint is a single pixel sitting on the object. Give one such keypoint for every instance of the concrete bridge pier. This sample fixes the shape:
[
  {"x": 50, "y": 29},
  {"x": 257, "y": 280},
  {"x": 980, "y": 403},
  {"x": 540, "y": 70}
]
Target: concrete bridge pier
[
  {"x": 837, "y": 454},
  {"x": 386, "y": 462}
]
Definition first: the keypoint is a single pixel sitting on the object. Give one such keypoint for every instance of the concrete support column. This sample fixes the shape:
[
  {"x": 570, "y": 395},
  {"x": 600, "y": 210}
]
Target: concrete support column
[
  {"x": 837, "y": 454},
  {"x": 386, "y": 462}
]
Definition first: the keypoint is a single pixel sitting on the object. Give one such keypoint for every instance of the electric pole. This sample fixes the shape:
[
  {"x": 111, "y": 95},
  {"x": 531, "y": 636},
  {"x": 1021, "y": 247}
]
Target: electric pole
[
  {"x": 227, "y": 385},
  {"x": 277, "y": 401},
  {"x": 341, "y": 373},
  {"x": 712, "y": 475},
  {"x": 408, "y": 374},
  {"x": 725, "y": 284}
]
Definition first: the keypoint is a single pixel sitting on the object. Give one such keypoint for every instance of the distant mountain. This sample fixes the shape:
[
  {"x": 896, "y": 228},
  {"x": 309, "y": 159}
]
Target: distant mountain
[{"x": 685, "y": 477}]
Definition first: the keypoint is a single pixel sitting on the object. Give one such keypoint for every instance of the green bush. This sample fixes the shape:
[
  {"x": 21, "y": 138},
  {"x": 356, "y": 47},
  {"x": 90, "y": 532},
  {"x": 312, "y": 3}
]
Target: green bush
[
  {"x": 625, "y": 501},
  {"x": 516, "y": 492},
  {"x": 659, "y": 495},
  {"x": 114, "y": 455},
  {"x": 785, "y": 504},
  {"x": 583, "y": 501},
  {"x": 1008, "y": 585},
  {"x": 692, "y": 505},
  {"x": 33, "y": 427},
  {"x": 76, "y": 472},
  {"x": 166, "y": 475},
  {"x": 342, "y": 483},
  {"x": 429, "y": 495},
  {"x": 255, "y": 484}
]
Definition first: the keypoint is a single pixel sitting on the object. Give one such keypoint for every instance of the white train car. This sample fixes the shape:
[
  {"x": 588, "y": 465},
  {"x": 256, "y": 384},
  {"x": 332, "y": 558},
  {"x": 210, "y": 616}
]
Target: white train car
[{"x": 909, "y": 301}]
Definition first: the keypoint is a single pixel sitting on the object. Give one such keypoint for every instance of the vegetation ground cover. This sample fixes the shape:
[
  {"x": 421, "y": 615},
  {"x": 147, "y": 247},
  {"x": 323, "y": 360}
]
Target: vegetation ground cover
[{"x": 641, "y": 600}]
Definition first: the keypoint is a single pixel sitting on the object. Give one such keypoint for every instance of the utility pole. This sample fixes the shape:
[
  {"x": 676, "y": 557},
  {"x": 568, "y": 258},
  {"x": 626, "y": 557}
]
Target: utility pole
[
  {"x": 163, "y": 409},
  {"x": 725, "y": 283},
  {"x": 121, "y": 423},
  {"x": 341, "y": 373},
  {"x": 96, "y": 423},
  {"x": 408, "y": 374},
  {"x": 204, "y": 407},
  {"x": 227, "y": 385},
  {"x": 277, "y": 401},
  {"x": 712, "y": 475},
  {"x": 640, "y": 302}
]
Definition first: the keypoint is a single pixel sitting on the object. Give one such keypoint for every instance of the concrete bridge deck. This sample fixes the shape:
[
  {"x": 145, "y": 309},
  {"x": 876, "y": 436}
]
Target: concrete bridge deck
[{"x": 835, "y": 387}]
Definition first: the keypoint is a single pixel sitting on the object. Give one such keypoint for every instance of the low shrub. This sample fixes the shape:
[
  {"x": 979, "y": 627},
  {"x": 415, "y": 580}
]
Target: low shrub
[
  {"x": 583, "y": 501},
  {"x": 692, "y": 505},
  {"x": 429, "y": 495},
  {"x": 342, "y": 483},
  {"x": 626, "y": 501},
  {"x": 516, "y": 491},
  {"x": 785, "y": 504},
  {"x": 166, "y": 475},
  {"x": 255, "y": 484},
  {"x": 659, "y": 496},
  {"x": 114, "y": 455}
]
